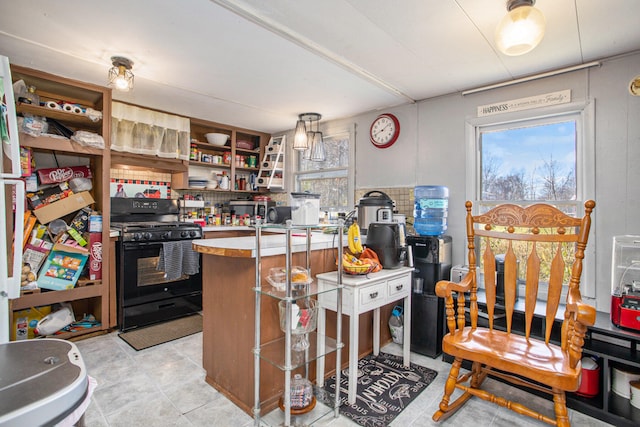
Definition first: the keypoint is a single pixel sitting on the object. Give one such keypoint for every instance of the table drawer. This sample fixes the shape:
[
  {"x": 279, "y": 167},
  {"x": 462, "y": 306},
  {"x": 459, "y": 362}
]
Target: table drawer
[
  {"x": 329, "y": 300},
  {"x": 373, "y": 296},
  {"x": 399, "y": 286}
]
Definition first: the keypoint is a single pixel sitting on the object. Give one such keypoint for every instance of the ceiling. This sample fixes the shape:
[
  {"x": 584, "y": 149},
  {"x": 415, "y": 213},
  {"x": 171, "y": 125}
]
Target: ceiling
[{"x": 257, "y": 64}]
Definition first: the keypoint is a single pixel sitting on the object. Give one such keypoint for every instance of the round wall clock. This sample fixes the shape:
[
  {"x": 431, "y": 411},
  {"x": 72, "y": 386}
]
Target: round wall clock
[{"x": 384, "y": 130}]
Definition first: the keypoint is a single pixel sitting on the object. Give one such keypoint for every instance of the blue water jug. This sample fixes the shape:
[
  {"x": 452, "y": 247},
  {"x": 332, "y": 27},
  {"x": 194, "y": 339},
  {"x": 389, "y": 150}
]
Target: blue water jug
[{"x": 430, "y": 210}]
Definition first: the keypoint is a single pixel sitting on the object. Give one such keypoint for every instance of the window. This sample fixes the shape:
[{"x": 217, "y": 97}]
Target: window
[
  {"x": 332, "y": 179},
  {"x": 529, "y": 159},
  {"x": 529, "y": 162}
]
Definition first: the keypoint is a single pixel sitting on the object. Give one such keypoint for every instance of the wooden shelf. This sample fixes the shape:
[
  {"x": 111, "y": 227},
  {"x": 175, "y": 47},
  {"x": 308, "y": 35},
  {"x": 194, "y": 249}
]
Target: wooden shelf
[
  {"x": 58, "y": 144},
  {"x": 52, "y": 297},
  {"x": 143, "y": 162},
  {"x": 67, "y": 118}
]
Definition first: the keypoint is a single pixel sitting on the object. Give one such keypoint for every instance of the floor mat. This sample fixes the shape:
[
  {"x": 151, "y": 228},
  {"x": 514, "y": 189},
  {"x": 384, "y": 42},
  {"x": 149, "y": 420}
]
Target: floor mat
[
  {"x": 163, "y": 332},
  {"x": 385, "y": 388}
]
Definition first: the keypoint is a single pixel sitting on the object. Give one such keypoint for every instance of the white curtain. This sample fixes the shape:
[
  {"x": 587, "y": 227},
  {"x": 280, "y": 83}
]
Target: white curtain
[{"x": 141, "y": 131}]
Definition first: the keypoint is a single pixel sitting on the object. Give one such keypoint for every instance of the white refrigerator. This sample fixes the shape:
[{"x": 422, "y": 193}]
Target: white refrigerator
[{"x": 11, "y": 203}]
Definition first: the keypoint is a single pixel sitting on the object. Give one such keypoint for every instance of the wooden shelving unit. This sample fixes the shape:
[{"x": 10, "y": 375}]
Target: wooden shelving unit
[{"x": 95, "y": 297}]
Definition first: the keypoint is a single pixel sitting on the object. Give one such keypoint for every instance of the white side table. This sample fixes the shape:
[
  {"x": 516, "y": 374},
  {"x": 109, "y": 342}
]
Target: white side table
[{"x": 360, "y": 295}]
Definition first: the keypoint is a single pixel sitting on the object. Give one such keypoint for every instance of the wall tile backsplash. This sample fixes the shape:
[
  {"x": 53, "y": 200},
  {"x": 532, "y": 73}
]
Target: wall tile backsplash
[{"x": 402, "y": 196}]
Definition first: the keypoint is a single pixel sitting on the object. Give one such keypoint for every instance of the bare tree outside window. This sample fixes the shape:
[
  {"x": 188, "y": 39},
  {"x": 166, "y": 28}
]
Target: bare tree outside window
[{"x": 529, "y": 164}]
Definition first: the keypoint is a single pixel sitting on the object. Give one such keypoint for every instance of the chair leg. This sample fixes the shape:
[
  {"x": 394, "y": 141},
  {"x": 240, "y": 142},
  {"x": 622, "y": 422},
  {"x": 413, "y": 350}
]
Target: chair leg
[
  {"x": 447, "y": 409},
  {"x": 560, "y": 408}
]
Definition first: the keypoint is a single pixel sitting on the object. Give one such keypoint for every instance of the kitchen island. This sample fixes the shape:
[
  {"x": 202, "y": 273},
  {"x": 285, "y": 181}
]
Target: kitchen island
[{"x": 228, "y": 304}]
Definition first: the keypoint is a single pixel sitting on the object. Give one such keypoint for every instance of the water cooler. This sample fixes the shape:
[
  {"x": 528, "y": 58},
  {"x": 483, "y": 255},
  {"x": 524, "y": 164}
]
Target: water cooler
[{"x": 432, "y": 262}]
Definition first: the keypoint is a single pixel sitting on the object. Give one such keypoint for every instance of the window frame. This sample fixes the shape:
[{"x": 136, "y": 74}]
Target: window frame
[{"x": 584, "y": 114}]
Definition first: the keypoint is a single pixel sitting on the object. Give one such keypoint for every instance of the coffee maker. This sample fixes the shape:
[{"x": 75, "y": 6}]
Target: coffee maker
[
  {"x": 387, "y": 240},
  {"x": 432, "y": 263}
]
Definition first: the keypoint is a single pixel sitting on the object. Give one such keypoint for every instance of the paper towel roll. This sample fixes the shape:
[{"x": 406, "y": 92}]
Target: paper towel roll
[
  {"x": 68, "y": 107},
  {"x": 77, "y": 109},
  {"x": 53, "y": 105}
]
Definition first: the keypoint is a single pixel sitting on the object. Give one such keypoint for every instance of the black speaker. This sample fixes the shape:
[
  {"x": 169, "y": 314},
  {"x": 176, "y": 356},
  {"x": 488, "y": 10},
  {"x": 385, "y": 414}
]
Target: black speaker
[{"x": 278, "y": 214}]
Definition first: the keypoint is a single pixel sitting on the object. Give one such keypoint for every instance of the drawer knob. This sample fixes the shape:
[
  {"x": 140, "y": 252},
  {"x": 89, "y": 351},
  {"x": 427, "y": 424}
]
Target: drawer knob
[
  {"x": 399, "y": 287},
  {"x": 373, "y": 295}
]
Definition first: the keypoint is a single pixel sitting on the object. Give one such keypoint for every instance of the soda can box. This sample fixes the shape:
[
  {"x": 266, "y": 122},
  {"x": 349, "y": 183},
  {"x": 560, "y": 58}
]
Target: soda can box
[
  {"x": 95, "y": 256},
  {"x": 54, "y": 175}
]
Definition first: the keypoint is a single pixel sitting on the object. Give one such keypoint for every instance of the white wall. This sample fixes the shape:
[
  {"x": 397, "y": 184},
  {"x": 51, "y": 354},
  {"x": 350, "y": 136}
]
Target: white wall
[{"x": 431, "y": 151}]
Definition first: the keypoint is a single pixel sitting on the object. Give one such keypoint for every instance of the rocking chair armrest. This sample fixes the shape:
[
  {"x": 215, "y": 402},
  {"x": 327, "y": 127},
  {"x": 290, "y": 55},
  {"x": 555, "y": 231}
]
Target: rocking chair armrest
[
  {"x": 585, "y": 314},
  {"x": 445, "y": 288}
]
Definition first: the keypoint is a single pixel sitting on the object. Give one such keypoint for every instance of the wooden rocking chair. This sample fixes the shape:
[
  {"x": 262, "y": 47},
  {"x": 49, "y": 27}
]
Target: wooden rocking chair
[{"x": 546, "y": 246}]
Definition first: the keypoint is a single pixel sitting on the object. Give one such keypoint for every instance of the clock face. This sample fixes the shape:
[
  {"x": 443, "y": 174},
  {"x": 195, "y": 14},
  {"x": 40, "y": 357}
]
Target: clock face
[{"x": 384, "y": 130}]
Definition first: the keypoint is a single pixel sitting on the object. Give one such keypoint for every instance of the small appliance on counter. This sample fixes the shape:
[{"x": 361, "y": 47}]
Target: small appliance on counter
[
  {"x": 387, "y": 240},
  {"x": 251, "y": 207},
  {"x": 374, "y": 207},
  {"x": 278, "y": 214},
  {"x": 305, "y": 208},
  {"x": 625, "y": 282}
]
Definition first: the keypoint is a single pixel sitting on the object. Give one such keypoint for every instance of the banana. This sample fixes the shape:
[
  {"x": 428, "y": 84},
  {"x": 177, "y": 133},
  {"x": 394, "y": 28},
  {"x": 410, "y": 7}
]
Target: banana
[
  {"x": 352, "y": 247},
  {"x": 356, "y": 238},
  {"x": 355, "y": 242}
]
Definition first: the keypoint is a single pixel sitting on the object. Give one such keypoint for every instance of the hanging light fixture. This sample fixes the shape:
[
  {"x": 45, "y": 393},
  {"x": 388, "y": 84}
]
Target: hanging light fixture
[
  {"x": 317, "y": 151},
  {"x": 120, "y": 75},
  {"x": 301, "y": 139},
  {"x": 521, "y": 30}
]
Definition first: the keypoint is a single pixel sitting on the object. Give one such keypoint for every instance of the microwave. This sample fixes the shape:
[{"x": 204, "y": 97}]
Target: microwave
[{"x": 250, "y": 207}]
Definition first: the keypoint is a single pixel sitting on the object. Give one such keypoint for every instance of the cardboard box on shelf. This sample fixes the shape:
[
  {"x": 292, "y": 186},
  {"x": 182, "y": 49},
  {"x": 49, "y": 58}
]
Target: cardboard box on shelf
[
  {"x": 63, "y": 207},
  {"x": 63, "y": 267},
  {"x": 53, "y": 175},
  {"x": 25, "y": 321}
]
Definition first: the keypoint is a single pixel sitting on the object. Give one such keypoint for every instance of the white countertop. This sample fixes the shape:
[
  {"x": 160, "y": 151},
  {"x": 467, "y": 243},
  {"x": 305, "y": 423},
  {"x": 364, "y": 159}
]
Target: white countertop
[{"x": 271, "y": 244}]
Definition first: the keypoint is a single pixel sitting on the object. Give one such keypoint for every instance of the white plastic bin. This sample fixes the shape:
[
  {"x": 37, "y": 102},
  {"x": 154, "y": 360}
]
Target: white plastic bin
[{"x": 305, "y": 208}]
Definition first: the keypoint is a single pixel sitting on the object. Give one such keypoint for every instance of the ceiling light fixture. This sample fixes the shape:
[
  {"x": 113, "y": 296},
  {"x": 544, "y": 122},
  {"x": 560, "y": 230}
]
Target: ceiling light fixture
[
  {"x": 521, "y": 30},
  {"x": 120, "y": 75},
  {"x": 312, "y": 142},
  {"x": 634, "y": 86},
  {"x": 303, "y": 137}
]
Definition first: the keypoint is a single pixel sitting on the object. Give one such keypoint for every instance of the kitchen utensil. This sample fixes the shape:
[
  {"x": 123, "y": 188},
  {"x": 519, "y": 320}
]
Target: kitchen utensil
[
  {"x": 217, "y": 138},
  {"x": 374, "y": 206}
]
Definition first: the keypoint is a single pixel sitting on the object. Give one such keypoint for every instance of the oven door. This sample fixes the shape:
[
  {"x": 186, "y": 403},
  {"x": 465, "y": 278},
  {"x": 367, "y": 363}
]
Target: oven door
[{"x": 145, "y": 296}]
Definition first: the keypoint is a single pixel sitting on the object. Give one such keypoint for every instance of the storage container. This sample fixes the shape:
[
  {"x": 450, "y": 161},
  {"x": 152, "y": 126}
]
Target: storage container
[
  {"x": 305, "y": 208},
  {"x": 431, "y": 209}
]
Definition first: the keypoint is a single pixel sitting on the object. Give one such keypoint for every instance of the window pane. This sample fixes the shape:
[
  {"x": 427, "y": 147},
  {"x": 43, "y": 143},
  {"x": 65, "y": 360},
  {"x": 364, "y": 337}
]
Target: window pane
[
  {"x": 531, "y": 163},
  {"x": 332, "y": 190},
  {"x": 337, "y": 154}
]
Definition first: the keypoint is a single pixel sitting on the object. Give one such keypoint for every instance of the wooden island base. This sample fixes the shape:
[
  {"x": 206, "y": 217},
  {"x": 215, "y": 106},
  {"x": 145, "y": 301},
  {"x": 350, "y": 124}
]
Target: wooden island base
[{"x": 228, "y": 304}]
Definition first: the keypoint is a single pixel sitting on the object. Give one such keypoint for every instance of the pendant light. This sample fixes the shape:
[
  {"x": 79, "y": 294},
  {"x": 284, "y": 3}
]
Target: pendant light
[
  {"x": 317, "y": 146},
  {"x": 301, "y": 140},
  {"x": 521, "y": 30},
  {"x": 120, "y": 75}
]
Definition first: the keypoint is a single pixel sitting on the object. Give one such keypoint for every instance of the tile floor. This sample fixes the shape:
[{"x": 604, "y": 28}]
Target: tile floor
[{"x": 164, "y": 386}]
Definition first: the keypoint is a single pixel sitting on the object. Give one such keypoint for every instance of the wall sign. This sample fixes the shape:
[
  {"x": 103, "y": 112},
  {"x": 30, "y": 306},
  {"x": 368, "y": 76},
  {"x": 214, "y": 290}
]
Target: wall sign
[{"x": 553, "y": 98}]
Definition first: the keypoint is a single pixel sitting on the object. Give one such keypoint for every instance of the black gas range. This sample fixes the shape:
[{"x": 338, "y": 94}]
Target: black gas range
[{"x": 147, "y": 290}]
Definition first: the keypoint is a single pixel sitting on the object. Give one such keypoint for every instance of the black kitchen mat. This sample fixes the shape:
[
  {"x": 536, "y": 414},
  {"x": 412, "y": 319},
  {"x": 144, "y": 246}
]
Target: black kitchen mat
[{"x": 385, "y": 389}]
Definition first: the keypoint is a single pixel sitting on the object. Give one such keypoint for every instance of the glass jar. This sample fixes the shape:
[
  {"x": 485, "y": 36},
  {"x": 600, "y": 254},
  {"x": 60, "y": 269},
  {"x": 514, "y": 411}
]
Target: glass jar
[{"x": 301, "y": 392}]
